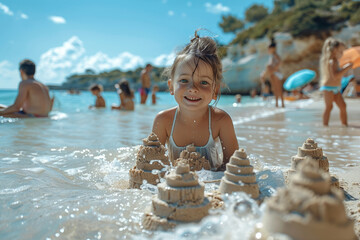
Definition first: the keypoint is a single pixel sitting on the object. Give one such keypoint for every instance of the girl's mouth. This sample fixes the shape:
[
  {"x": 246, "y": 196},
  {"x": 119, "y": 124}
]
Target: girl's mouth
[{"x": 192, "y": 99}]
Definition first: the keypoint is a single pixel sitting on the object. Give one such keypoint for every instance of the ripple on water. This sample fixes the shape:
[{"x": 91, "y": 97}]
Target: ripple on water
[
  {"x": 10, "y": 160},
  {"x": 35, "y": 170},
  {"x": 14, "y": 190}
]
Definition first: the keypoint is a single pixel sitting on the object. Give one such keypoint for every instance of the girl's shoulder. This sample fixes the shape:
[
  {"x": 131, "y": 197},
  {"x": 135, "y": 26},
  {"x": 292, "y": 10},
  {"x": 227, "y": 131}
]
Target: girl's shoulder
[
  {"x": 166, "y": 115},
  {"x": 218, "y": 114}
]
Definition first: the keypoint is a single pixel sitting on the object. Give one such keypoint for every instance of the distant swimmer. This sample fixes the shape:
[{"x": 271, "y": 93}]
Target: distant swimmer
[
  {"x": 33, "y": 98},
  {"x": 126, "y": 96},
  {"x": 96, "y": 90}
]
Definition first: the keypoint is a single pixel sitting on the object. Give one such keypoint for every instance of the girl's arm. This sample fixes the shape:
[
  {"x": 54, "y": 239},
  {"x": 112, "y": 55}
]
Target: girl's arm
[
  {"x": 159, "y": 126},
  {"x": 227, "y": 136},
  {"x": 338, "y": 73}
]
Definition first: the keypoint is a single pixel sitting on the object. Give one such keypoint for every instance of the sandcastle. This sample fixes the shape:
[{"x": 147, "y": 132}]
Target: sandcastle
[
  {"x": 311, "y": 149},
  {"x": 151, "y": 156},
  {"x": 193, "y": 158},
  {"x": 310, "y": 208},
  {"x": 239, "y": 176},
  {"x": 180, "y": 199}
]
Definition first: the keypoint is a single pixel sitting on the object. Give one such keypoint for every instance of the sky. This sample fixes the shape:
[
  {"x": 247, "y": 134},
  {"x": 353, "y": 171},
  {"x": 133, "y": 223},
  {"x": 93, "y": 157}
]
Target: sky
[{"x": 64, "y": 37}]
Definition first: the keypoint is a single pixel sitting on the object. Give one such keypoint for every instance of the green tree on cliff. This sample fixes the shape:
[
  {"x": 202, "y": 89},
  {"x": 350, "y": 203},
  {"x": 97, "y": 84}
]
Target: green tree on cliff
[
  {"x": 231, "y": 24},
  {"x": 255, "y": 13}
]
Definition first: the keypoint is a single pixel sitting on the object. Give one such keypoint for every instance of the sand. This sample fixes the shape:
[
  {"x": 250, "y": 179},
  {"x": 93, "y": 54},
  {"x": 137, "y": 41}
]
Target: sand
[{"x": 272, "y": 140}]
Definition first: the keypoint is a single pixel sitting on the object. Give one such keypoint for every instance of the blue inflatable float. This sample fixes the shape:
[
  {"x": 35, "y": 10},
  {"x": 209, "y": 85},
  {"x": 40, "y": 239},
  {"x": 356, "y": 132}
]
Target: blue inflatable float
[{"x": 299, "y": 79}]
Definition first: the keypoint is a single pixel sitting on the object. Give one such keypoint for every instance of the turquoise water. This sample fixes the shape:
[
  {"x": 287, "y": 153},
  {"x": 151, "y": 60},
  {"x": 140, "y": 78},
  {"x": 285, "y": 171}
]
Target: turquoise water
[{"x": 65, "y": 177}]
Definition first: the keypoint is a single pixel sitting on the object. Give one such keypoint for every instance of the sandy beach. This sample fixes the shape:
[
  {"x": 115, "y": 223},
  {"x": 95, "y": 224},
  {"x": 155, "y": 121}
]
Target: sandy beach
[{"x": 340, "y": 144}]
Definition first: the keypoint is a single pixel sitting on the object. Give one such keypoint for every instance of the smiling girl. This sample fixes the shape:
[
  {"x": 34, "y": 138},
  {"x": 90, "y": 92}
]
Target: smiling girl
[{"x": 194, "y": 80}]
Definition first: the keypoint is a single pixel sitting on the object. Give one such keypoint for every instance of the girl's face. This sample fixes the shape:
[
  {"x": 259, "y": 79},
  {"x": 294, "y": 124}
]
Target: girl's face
[
  {"x": 339, "y": 51},
  {"x": 193, "y": 90}
]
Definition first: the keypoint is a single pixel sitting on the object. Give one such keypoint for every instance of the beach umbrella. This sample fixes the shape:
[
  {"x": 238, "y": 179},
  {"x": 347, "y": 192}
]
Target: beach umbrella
[
  {"x": 351, "y": 55},
  {"x": 299, "y": 79}
]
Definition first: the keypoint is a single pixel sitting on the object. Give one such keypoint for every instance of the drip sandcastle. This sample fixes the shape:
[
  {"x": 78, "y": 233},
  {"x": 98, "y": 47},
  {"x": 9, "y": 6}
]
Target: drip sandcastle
[
  {"x": 310, "y": 149},
  {"x": 239, "y": 176},
  {"x": 193, "y": 158},
  {"x": 180, "y": 199},
  {"x": 310, "y": 208},
  {"x": 151, "y": 156}
]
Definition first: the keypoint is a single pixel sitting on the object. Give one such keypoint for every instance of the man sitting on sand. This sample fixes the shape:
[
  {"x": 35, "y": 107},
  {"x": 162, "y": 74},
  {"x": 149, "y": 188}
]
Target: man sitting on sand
[{"x": 33, "y": 99}]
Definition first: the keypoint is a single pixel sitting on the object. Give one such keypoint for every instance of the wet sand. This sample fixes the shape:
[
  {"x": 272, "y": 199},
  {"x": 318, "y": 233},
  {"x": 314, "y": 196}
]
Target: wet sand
[{"x": 273, "y": 140}]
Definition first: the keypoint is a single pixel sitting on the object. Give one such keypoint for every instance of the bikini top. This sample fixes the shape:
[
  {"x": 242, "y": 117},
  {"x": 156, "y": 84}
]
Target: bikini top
[{"x": 212, "y": 150}]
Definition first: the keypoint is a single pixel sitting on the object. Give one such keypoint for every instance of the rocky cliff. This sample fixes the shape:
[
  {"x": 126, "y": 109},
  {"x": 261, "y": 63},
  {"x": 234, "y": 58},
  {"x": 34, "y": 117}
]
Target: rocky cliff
[{"x": 244, "y": 64}]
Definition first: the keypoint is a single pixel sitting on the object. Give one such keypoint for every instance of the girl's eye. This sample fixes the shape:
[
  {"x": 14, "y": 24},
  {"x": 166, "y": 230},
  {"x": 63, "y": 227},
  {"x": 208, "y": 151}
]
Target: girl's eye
[
  {"x": 204, "y": 83},
  {"x": 183, "y": 80}
]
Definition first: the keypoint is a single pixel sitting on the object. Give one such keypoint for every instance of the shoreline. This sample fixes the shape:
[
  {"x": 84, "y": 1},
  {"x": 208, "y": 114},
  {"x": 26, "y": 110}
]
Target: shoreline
[{"x": 293, "y": 125}]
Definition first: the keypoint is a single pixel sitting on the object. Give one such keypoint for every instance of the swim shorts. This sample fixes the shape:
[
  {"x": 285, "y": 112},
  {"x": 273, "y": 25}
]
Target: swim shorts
[{"x": 144, "y": 91}]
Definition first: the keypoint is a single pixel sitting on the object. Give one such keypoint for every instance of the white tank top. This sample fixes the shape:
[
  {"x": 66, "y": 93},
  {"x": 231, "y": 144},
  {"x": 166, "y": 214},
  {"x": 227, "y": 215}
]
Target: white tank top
[{"x": 212, "y": 150}]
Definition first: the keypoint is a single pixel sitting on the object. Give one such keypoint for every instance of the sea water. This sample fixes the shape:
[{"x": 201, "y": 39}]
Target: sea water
[{"x": 65, "y": 177}]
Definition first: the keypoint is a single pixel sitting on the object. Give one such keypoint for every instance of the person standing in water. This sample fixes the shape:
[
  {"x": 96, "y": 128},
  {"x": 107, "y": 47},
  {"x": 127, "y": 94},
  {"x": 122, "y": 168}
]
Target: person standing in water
[
  {"x": 194, "y": 80},
  {"x": 330, "y": 78},
  {"x": 145, "y": 83},
  {"x": 33, "y": 98},
  {"x": 272, "y": 72}
]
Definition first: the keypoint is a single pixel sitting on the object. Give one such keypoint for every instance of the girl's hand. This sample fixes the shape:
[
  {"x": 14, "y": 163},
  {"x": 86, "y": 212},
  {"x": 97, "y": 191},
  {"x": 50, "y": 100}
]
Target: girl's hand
[{"x": 348, "y": 65}]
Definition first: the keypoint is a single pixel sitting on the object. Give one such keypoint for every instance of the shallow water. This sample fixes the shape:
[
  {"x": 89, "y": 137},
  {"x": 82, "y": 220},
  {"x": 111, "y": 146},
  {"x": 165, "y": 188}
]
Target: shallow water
[{"x": 64, "y": 177}]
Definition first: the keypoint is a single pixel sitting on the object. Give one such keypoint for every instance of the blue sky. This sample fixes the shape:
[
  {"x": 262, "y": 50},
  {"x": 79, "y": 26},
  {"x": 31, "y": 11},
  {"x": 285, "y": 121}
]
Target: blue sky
[{"x": 67, "y": 36}]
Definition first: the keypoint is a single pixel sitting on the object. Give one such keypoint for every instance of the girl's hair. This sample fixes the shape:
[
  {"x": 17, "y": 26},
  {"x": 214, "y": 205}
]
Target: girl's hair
[
  {"x": 199, "y": 48},
  {"x": 328, "y": 48},
  {"x": 125, "y": 88},
  {"x": 273, "y": 43},
  {"x": 96, "y": 87}
]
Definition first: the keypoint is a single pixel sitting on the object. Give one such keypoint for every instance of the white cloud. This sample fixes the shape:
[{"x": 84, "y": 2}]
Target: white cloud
[
  {"x": 164, "y": 60},
  {"x": 9, "y": 75},
  {"x": 6, "y": 9},
  {"x": 100, "y": 62},
  {"x": 217, "y": 8},
  {"x": 57, "y": 19},
  {"x": 58, "y": 62},
  {"x": 171, "y": 13},
  {"x": 24, "y": 16}
]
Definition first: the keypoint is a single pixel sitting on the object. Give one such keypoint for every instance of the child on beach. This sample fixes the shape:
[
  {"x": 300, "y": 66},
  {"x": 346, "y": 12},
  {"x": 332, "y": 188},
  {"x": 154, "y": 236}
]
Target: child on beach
[
  {"x": 126, "y": 96},
  {"x": 273, "y": 73},
  {"x": 194, "y": 80},
  {"x": 96, "y": 90},
  {"x": 330, "y": 78},
  {"x": 238, "y": 98},
  {"x": 153, "y": 94}
]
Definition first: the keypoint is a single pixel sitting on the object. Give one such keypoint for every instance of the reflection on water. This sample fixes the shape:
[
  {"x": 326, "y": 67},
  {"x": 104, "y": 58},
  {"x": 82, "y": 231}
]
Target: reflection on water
[{"x": 66, "y": 177}]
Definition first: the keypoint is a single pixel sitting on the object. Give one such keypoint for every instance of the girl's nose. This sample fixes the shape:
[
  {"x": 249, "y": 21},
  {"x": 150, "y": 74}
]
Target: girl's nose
[{"x": 193, "y": 87}]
